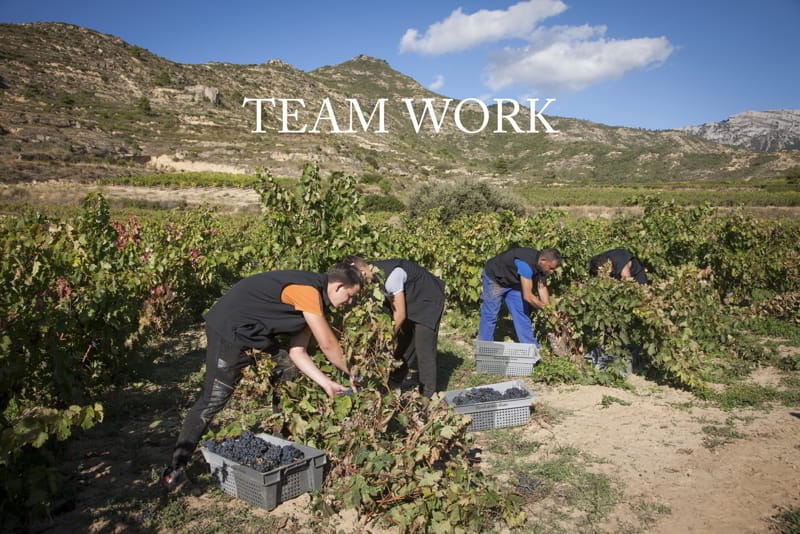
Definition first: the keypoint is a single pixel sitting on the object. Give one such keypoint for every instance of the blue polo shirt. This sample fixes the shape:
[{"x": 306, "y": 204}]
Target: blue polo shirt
[{"x": 523, "y": 269}]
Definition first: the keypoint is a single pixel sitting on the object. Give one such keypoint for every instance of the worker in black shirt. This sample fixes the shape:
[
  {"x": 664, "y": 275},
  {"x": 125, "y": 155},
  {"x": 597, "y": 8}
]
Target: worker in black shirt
[
  {"x": 250, "y": 316},
  {"x": 624, "y": 265},
  {"x": 415, "y": 300}
]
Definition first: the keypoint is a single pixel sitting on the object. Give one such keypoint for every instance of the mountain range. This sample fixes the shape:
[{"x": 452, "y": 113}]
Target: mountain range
[
  {"x": 78, "y": 104},
  {"x": 760, "y": 131}
]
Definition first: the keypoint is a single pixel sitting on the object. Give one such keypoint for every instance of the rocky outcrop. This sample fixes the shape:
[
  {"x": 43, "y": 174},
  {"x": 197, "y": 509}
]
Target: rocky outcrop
[
  {"x": 202, "y": 92},
  {"x": 761, "y": 131}
]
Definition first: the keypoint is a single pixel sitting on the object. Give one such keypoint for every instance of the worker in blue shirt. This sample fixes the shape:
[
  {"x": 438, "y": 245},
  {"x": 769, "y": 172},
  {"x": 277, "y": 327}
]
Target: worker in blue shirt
[{"x": 516, "y": 278}]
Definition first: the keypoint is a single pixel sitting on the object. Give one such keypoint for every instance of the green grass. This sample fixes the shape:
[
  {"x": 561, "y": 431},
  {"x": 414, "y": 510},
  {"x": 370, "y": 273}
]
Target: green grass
[
  {"x": 506, "y": 441},
  {"x": 787, "y": 521},
  {"x": 564, "y": 476},
  {"x": 748, "y": 395},
  {"x": 608, "y": 400},
  {"x": 744, "y": 395},
  {"x": 716, "y": 435},
  {"x": 776, "y": 328},
  {"x": 557, "y": 371}
]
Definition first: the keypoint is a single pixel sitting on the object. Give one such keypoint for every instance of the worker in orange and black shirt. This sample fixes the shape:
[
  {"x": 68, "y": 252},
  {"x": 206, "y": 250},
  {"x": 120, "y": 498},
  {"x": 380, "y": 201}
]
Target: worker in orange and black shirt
[{"x": 250, "y": 315}]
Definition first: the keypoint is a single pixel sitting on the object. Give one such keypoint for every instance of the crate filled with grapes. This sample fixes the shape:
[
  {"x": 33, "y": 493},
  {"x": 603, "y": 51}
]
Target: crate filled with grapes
[
  {"x": 264, "y": 470},
  {"x": 493, "y": 406}
]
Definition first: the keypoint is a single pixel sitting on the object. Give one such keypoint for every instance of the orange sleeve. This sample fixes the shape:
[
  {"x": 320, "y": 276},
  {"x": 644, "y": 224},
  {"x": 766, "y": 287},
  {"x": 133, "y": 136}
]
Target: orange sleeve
[{"x": 303, "y": 298}]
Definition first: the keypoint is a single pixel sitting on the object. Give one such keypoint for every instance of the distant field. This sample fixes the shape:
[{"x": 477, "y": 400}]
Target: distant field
[
  {"x": 775, "y": 198},
  {"x": 776, "y": 192},
  {"x": 779, "y": 192},
  {"x": 197, "y": 179}
]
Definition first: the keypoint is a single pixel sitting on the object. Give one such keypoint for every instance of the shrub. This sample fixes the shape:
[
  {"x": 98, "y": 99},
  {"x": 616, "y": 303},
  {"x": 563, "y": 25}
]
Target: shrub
[
  {"x": 143, "y": 106},
  {"x": 382, "y": 203},
  {"x": 163, "y": 79},
  {"x": 461, "y": 199}
]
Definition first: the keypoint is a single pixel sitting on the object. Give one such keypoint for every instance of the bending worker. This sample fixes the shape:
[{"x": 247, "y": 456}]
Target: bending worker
[
  {"x": 624, "y": 265},
  {"x": 415, "y": 300},
  {"x": 252, "y": 314},
  {"x": 516, "y": 277}
]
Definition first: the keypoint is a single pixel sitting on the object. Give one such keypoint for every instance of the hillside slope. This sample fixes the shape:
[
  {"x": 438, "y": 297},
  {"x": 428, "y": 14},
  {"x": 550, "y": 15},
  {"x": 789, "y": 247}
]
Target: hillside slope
[{"x": 75, "y": 103}]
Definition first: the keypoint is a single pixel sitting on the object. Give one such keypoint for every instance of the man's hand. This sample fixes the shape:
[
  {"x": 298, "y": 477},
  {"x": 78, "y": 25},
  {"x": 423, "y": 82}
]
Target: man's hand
[{"x": 332, "y": 388}]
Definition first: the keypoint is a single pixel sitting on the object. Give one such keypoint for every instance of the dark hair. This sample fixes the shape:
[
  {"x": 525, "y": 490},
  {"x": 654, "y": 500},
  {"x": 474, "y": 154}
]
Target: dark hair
[
  {"x": 357, "y": 261},
  {"x": 551, "y": 254},
  {"x": 347, "y": 274}
]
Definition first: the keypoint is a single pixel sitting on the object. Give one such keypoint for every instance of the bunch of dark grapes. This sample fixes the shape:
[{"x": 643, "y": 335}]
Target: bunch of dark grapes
[
  {"x": 476, "y": 395},
  {"x": 252, "y": 451}
]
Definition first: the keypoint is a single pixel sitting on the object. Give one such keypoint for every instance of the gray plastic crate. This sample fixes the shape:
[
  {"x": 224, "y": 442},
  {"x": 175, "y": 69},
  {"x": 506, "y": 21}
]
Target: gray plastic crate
[
  {"x": 505, "y": 358},
  {"x": 496, "y": 414},
  {"x": 269, "y": 489}
]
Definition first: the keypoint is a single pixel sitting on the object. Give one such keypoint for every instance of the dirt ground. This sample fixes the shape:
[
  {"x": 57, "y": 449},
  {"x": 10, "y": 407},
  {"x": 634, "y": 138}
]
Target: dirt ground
[
  {"x": 650, "y": 440},
  {"x": 69, "y": 192},
  {"x": 655, "y": 446}
]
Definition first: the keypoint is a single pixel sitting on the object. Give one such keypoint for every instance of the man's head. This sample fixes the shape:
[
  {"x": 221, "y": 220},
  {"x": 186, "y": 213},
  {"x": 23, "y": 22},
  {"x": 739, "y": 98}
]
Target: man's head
[
  {"x": 344, "y": 282},
  {"x": 359, "y": 263},
  {"x": 549, "y": 260}
]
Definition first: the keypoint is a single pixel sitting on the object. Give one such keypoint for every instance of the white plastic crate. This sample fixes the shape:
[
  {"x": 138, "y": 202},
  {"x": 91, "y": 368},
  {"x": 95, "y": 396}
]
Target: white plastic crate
[
  {"x": 494, "y": 414},
  {"x": 505, "y": 358},
  {"x": 267, "y": 490}
]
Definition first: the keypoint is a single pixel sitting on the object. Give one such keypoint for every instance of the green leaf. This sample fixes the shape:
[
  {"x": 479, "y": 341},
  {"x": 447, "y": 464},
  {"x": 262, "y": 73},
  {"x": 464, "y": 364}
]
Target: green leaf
[
  {"x": 342, "y": 406},
  {"x": 41, "y": 439},
  {"x": 430, "y": 478}
]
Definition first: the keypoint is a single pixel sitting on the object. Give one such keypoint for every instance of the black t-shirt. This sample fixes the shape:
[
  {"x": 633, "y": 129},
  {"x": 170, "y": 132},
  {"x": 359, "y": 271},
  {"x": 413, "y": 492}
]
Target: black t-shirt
[
  {"x": 618, "y": 258},
  {"x": 251, "y": 313},
  {"x": 502, "y": 270}
]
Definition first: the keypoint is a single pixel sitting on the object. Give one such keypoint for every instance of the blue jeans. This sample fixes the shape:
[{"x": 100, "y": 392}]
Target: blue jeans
[{"x": 493, "y": 297}]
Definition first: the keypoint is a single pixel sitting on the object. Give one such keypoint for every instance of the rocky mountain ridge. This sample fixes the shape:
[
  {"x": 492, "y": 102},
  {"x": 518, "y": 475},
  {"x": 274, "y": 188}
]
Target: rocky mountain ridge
[
  {"x": 760, "y": 131},
  {"x": 75, "y": 103}
]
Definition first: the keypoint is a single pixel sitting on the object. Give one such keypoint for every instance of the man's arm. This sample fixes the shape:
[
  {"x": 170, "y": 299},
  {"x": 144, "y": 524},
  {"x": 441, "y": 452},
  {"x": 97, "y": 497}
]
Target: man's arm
[
  {"x": 298, "y": 353},
  {"x": 527, "y": 293},
  {"x": 398, "y": 302},
  {"x": 544, "y": 294},
  {"x": 625, "y": 272},
  {"x": 326, "y": 340}
]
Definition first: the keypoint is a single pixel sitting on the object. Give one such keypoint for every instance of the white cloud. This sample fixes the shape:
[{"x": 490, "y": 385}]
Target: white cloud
[
  {"x": 572, "y": 58},
  {"x": 437, "y": 83},
  {"x": 555, "y": 58},
  {"x": 460, "y": 31}
]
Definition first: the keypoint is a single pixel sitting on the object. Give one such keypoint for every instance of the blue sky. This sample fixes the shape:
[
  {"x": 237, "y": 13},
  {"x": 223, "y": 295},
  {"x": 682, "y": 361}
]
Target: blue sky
[{"x": 638, "y": 63}]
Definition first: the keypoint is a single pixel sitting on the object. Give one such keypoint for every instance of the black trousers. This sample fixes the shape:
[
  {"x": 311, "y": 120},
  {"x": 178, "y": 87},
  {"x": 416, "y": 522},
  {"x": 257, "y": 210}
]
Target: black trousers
[
  {"x": 224, "y": 364},
  {"x": 416, "y": 347}
]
